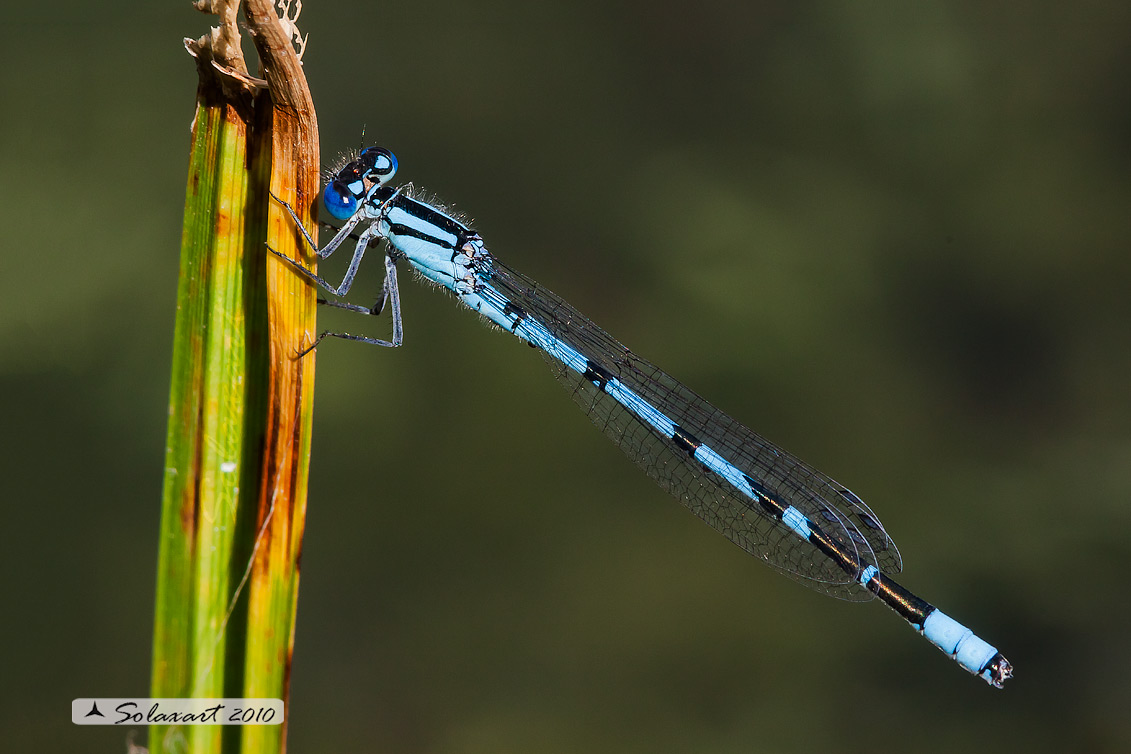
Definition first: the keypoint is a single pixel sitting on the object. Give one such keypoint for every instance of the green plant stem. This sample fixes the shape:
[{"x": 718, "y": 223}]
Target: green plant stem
[{"x": 240, "y": 410}]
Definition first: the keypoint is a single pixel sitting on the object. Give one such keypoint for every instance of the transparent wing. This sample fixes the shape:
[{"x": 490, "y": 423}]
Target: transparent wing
[{"x": 840, "y": 513}]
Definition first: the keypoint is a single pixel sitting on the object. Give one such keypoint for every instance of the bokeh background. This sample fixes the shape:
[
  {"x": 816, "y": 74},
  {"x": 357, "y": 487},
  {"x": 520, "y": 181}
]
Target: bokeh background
[{"x": 892, "y": 237}]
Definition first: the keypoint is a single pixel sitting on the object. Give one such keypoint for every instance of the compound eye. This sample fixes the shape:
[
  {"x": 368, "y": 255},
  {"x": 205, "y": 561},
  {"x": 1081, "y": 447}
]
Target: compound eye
[
  {"x": 384, "y": 163},
  {"x": 340, "y": 203}
]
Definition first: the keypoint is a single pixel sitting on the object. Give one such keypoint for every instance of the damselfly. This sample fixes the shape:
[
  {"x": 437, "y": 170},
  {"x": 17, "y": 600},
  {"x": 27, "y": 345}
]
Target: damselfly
[{"x": 768, "y": 502}]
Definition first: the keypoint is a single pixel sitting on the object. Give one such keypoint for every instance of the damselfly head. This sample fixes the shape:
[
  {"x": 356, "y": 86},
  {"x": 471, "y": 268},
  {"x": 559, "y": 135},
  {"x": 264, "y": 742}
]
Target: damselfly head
[{"x": 350, "y": 183}]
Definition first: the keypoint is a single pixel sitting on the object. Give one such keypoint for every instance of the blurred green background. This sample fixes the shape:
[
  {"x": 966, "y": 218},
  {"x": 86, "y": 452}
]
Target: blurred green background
[{"x": 891, "y": 237}]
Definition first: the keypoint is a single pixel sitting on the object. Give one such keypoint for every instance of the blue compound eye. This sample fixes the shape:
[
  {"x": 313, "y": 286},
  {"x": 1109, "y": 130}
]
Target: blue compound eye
[
  {"x": 384, "y": 163},
  {"x": 340, "y": 203}
]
